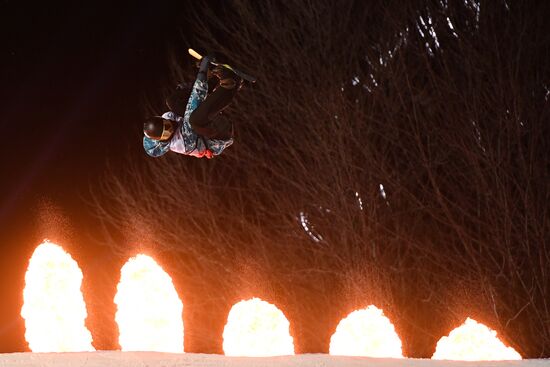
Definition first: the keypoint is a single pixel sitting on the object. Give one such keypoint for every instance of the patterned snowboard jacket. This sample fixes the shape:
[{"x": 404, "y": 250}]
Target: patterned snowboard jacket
[{"x": 185, "y": 140}]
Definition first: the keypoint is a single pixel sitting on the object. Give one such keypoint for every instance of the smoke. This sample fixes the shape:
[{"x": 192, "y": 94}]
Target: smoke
[{"x": 53, "y": 223}]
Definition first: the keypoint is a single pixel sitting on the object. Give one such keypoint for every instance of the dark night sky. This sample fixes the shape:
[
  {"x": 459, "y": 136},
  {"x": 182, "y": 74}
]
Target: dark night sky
[{"x": 72, "y": 77}]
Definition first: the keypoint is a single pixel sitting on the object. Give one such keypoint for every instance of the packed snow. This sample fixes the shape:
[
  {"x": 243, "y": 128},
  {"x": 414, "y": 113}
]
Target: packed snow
[{"x": 156, "y": 359}]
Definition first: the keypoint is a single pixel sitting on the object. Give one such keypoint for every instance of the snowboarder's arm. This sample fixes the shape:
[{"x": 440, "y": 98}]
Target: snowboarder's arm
[
  {"x": 198, "y": 94},
  {"x": 178, "y": 100}
]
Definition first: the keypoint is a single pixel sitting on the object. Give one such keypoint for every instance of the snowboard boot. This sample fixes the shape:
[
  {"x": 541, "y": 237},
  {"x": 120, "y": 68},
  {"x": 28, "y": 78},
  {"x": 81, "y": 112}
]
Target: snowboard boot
[{"x": 228, "y": 79}]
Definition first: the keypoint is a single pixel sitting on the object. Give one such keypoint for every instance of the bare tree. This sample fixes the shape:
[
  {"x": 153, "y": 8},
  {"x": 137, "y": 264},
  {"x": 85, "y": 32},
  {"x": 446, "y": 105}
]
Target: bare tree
[{"x": 394, "y": 154}]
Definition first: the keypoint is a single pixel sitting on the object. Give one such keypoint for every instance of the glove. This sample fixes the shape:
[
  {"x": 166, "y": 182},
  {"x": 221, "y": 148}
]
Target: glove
[
  {"x": 203, "y": 68},
  {"x": 205, "y": 63}
]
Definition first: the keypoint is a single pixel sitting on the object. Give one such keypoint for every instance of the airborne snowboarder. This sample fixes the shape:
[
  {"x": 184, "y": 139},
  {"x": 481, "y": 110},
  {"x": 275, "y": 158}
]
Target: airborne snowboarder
[{"x": 194, "y": 125}]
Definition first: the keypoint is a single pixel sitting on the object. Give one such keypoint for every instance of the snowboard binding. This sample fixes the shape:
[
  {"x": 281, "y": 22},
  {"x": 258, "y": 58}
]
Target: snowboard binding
[
  {"x": 219, "y": 67},
  {"x": 228, "y": 78}
]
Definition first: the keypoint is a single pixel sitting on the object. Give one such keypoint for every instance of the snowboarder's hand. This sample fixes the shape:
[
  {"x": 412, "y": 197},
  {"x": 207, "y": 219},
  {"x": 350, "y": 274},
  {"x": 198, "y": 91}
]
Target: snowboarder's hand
[{"x": 205, "y": 62}]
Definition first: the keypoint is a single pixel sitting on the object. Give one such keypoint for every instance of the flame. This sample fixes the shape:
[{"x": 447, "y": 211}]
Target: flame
[
  {"x": 473, "y": 342},
  {"x": 256, "y": 328},
  {"x": 366, "y": 332},
  {"x": 149, "y": 314},
  {"x": 53, "y": 304}
]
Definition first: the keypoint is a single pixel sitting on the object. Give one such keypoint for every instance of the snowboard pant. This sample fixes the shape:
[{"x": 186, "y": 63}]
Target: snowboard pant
[{"x": 206, "y": 119}]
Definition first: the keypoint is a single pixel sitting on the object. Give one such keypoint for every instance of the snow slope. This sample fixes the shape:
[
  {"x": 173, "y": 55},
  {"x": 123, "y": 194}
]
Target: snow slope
[{"x": 152, "y": 359}]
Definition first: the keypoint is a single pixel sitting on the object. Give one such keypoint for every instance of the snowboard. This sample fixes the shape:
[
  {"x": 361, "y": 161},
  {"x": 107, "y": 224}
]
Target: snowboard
[{"x": 247, "y": 77}]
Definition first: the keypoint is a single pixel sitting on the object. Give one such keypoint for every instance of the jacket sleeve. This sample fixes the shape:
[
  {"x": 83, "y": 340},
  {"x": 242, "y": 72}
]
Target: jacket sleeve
[
  {"x": 198, "y": 94},
  {"x": 155, "y": 148}
]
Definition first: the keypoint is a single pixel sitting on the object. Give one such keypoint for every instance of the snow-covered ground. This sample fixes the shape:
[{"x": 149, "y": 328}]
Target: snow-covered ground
[{"x": 153, "y": 359}]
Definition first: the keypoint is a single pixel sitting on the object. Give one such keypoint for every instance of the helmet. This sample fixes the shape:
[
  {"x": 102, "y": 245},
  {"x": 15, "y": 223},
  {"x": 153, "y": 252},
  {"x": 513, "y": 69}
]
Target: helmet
[{"x": 157, "y": 128}]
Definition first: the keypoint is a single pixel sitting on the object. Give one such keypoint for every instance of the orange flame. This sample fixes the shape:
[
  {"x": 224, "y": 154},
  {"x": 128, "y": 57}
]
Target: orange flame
[
  {"x": 149, "y": 314},
  {"x": 256, "y": 328},
  {"x": 366, "y": 332},
  {"x": 473, "y": 342},
  {"x": 53, "y": 304}
]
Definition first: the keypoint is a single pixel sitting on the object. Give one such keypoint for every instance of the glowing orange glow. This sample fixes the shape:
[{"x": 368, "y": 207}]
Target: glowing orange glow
[
  {"x": 473, "y": 342},
  {"x": 256, "y": 328},
  {"x": 366, "y": 332},
  {"x": 53, "y": 304},
  {"x": 149, "y": 314}
]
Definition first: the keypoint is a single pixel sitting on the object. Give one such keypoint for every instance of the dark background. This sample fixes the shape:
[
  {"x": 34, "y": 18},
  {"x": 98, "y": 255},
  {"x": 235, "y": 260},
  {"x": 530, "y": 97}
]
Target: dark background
[
  {"x": 73, "y": 77},
  {"x": 73, "y": 80}
]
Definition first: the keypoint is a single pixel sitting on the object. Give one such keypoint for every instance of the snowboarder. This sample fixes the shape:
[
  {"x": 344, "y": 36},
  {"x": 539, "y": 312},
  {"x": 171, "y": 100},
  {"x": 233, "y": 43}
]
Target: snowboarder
[{"x": 194, "y": 125}]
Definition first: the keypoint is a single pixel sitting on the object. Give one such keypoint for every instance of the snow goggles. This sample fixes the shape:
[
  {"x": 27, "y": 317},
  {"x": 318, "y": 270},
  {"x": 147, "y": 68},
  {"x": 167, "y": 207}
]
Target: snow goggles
[
  {"x": 159, "y": 128},
  {"x": 168, "y": 129}
]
